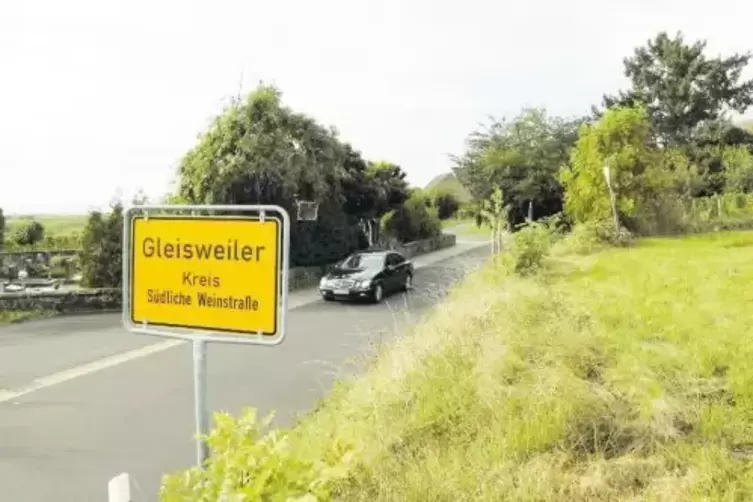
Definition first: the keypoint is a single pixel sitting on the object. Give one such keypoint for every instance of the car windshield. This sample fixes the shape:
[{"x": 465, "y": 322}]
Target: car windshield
[{"x": 364, "y": 261}]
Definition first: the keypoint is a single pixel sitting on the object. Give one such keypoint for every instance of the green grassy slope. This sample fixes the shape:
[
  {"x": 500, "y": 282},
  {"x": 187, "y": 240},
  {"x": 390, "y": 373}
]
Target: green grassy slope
[{"x": 623, "y": 375}]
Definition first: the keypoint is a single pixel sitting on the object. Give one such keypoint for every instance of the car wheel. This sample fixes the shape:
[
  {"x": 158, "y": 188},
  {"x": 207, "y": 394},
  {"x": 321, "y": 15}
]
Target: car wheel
[
  {"x": 378, "y": 293},
  {"x": 328, "y": 298},
  {"x": 408, "y": 284}
]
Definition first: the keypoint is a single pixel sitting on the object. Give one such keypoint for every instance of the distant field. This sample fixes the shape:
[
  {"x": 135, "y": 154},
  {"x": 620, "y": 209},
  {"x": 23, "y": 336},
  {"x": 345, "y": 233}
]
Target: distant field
[{"x": 57, "y": 225}]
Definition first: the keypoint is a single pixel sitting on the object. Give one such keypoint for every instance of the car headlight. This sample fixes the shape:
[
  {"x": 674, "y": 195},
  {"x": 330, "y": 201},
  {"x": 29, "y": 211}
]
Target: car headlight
[
  {"x": 364, "y": 283},
  {"x": 323, "y": 282}
]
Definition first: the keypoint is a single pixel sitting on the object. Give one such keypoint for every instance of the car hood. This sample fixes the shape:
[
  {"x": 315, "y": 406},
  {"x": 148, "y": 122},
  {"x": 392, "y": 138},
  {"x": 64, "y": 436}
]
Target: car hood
[{"x": 347, "y": 273}]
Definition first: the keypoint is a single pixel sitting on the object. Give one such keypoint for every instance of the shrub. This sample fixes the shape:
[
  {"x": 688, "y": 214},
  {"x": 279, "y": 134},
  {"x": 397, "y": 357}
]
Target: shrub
[
  {"x": 101, "y": 254},
  {"x": 529, "y": 246},
  {"x": 446, "y": 205},
  {"x": 249, "y": 465},
  {"x": 469, "y": 211},
  {"x": 36, "y": 270},
  {"x": 591, "y": 236},
  {"x": 61, "y": 266},
  {"x": 29, "y": 234},
  {"x": 411, "y": 222}
]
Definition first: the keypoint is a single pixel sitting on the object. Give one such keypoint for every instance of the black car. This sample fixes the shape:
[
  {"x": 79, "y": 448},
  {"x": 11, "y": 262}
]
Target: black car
[{"x": 367, "y": 275}]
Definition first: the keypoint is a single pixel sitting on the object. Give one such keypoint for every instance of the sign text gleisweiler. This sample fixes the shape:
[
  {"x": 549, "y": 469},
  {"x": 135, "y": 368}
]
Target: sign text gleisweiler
[{"x": 216, "y": 274}]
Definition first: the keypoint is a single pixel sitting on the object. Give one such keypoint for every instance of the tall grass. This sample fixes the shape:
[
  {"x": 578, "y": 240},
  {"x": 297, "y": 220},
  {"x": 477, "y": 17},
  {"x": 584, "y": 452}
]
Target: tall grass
[{"x": 620, "y": 375}]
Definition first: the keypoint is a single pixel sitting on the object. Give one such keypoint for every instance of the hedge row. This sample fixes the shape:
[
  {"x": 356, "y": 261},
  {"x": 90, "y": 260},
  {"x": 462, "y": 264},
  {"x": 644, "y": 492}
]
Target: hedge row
[{"x": 83, "y": 301}]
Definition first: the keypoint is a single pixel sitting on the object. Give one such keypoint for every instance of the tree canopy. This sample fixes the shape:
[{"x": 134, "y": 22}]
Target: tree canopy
[
  {"x": 259, "y": 151},
  {"x": 30, "y": 234},
  {"x": 522, "y": 156},
  {"x": 670, "y": 133},
  {"x": 682, "y": 88}
]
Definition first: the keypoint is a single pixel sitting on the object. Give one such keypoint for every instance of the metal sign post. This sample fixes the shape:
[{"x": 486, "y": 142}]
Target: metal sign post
[
  {"x": 201, "y": 408},
  {"x": 206, "y": 278}
]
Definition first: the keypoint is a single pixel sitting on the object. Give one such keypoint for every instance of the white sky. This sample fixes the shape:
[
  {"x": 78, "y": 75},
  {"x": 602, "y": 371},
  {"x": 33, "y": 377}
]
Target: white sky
[{"x": 103, "y": 95}]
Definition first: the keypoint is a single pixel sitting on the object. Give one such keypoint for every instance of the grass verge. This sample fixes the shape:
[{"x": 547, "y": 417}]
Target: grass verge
[
  {"x": 618, "y": 375},
  {"x": 14, "y": 316}
]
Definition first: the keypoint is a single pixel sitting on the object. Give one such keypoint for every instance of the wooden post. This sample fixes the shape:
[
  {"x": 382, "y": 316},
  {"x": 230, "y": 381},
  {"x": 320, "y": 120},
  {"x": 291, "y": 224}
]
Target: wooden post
[
  {"x": 612, "y": 197},
  {"x": 719, "y": 206}
]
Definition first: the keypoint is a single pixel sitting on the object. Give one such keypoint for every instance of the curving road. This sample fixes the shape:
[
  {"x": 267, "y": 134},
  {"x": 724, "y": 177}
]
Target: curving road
[{"x": 82, "y": 400}]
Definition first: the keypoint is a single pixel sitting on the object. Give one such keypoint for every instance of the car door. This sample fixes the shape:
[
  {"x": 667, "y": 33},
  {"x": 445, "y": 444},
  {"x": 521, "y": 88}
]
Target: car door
[
  {"x": 389, "y": 273},
  {"x": 398, "y": 271}
]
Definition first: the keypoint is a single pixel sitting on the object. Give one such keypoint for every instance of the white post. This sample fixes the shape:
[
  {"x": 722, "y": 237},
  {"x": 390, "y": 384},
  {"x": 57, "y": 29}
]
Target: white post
[{"x": 119, "y": 488}]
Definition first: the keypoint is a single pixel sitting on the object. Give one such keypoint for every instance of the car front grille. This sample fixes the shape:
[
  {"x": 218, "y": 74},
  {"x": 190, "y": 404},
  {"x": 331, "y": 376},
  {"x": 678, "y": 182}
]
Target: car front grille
[{"x": 343, "y": 283}]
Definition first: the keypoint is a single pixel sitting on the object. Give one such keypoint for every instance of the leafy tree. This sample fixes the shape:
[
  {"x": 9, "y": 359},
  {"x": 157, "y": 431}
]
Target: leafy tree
[
  {"x": 261, "y": 152},
  {"x": 494, "y": 212},
  {"x": 370, "y": 189},
  {"x": 388, "y": 180},
  {"x": 30, "y": 234},
  {"x": 681, "y": 88},
  {"x": 738, "y": 172},
  {"x": 642, "y": 179},
  {"x": 521, "y": 156},
  {"x": 359, "y": 194},
  {"x": 102, "y": 245}
]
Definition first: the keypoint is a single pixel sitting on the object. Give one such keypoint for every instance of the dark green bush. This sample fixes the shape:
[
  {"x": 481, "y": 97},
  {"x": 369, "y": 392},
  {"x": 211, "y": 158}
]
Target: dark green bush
[
  {"x": 328, "y": 239},
  {"x": 530, "y": 245},
  {"x": 412, "y": 222},
  {"x": 447, "y": 205}
]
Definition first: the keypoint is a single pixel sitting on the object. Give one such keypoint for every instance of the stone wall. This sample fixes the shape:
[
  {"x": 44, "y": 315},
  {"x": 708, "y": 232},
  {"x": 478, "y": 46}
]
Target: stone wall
[
  {"x": 71, "y": 301},
  {"x": 83, "y": 301}
]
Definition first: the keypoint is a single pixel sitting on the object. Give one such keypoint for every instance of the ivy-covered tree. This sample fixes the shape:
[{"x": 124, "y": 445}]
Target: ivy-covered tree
[
  {"x": 259, "y": 151},
  {"x": 682, "y": 88}
]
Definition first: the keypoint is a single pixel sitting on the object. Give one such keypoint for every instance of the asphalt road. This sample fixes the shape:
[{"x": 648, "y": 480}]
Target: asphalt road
[{"x": 64, "y": 442}]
